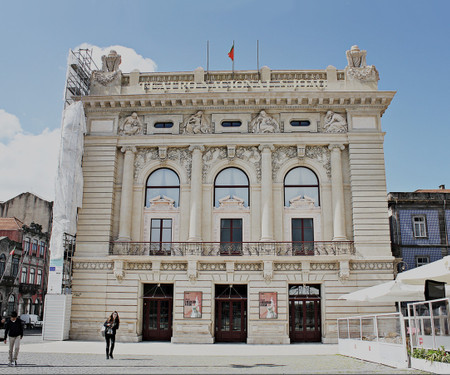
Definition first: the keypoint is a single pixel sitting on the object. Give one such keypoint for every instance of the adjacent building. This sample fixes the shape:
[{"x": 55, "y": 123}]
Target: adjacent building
[
  {"x": 231, "y": 206},
  {"x": 420, "y": 225},
  {"x": 24, "y": 254}
]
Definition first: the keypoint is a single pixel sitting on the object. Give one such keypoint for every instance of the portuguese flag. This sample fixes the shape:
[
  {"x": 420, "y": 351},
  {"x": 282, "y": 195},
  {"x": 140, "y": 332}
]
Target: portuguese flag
[{"x": 231, "y": 53}]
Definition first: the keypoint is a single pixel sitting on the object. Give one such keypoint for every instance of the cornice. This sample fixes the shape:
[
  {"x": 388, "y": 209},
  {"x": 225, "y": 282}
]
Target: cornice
[{"x": 311, "y": 101}]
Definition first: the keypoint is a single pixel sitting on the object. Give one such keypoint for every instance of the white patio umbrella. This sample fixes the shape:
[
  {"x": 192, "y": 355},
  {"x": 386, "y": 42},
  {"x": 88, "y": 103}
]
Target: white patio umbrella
[
  {"x": 389, "y": 292},
  {"x": 438, "y": 271}
]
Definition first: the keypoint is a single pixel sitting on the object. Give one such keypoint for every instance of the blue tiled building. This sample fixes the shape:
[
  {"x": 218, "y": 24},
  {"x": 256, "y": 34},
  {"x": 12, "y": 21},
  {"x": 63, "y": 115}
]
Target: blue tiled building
[{"x": 420, "y": 225}]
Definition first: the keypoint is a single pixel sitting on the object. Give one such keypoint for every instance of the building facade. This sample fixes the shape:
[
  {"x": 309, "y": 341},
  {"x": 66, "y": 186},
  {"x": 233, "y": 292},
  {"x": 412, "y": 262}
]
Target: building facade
[
  {"x": 23, "y": 267},
  {"x": 231, "y": 206},
  {"x": 420, "y": 225}
]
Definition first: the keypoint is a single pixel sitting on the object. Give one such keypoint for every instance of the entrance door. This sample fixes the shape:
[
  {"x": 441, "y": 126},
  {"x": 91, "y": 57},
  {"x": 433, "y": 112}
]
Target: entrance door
[
  {"x": 231, "y": 313},
  {"x": 304, "y": 313},
  {"x": 157, "y": 314}
]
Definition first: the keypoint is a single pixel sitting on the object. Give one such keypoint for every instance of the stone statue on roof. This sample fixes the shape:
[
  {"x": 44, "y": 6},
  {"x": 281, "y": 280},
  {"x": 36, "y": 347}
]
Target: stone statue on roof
[{"x": 111, "y": 62}]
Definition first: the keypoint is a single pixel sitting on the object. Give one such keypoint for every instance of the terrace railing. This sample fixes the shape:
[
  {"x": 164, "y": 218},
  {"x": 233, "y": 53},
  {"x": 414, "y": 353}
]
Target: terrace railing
[{"x": 233, "y": 248}]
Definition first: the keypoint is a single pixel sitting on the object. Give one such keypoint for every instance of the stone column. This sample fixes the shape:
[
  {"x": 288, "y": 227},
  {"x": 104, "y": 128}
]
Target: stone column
[
  {"x": 195, "y": 216},
  {"x": 337, "y": 193},
  {"x": 266, "y": 193},
  {"x": 126, "y": 201}
]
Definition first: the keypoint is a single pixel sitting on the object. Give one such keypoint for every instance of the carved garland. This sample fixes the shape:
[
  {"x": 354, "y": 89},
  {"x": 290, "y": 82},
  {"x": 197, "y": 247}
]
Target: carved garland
[
  {"x": 288, "y": 266},
  {"x": 213, "y": 267},
  {"x": 181, "y": 155},
  {"x": 248, "y": 267},
  {"x": 371, "y": 266},
  {"x": 282, "y": 154},
  {"x": 93, "y": 265},
  {"x": 323, "y": 266}
]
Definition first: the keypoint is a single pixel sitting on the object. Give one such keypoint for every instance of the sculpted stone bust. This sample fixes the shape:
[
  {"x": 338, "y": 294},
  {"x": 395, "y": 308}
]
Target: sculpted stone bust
[
  {"x": 131, "y": 126},
  {"x": 356, "y": 58},
  {"x": 111, "y": 62},
  {"x": 196, "y": 123},
  {"x": 334, "y": 123},
  {"x": 263, "y": 123}
]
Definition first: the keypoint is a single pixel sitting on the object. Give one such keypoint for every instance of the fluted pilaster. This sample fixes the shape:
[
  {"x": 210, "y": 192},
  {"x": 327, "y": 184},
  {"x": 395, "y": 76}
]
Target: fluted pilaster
[
  {"x": 126, "y": 201},
  {"x": 337, "y": 192},
  {"x": 195, "y": 215},
  {"x": 266, "y": 193}
]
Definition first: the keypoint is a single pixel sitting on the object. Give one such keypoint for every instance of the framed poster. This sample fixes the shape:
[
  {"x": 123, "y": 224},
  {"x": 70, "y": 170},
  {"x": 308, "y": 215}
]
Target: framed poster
[
  {"x": 268, "y": 305},
  {"x": 192, "y": 304}
]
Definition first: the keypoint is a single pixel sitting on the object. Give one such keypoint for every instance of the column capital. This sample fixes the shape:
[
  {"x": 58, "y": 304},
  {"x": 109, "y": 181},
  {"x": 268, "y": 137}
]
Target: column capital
[
  {"x": 125, "y": 149},
  {"x": 197, "y": 147},
  {"x": 336, "y": 146},
  {"x": 267, "y": 146}
]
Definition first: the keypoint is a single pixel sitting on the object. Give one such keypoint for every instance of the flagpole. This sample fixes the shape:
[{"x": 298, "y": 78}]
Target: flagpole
[
  {"x": 207, "y": 61},
  {"x": 257, "y": 59},
  {"x": 232, "y": 77}
]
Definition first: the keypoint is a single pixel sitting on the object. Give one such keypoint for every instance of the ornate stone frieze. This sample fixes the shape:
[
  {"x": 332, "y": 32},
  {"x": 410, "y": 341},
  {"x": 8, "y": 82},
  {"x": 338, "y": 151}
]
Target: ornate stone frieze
[
  {"x": 211, "y": 156},
  {"x": 139, "y": 266},
  {"x": 252, "y": 155},
  {"x": 324, "y": 266},
  {"x": 213, "y": 267},
  {"x": 287, "y": 266},
  {"x": 263, "y": 123},
  {"x": 174, "y": 266},
  {"x": 104, "y": 78},
  {"x": 181, "y": 155},
  {"x": 371, "y": 266},
  {"x": 334, "y": 123},
  {"x": 93, "y": 265},
  {"x": 196, "y": 124},
  {"x": 248, "y": 267},
  {"x": 282, "y": 154},
  {"x": 131, "y": 125}
]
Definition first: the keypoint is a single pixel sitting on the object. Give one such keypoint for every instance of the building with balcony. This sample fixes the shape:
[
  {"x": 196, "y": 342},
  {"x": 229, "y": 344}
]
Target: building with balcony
[
  {"x": 420, "y": 225},
  {"x": 24, "y": 253},
  {"x": 231, "y": 206}
]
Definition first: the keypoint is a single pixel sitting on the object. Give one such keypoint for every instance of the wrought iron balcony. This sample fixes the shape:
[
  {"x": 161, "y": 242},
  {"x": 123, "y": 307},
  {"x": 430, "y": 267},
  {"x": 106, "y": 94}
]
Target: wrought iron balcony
[
  {"x": 28, "y": 288},
  {"x": 232, "y": 248},
  {"x": 8, "y": 281}
]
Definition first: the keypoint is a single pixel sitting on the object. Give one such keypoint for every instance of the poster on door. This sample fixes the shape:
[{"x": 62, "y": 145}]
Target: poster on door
[
  {"x": 192, "y": 304},
  {"x": 268, "y": 305}
]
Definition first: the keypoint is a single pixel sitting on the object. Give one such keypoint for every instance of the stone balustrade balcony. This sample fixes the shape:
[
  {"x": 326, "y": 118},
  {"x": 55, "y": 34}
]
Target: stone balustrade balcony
[{"x": 329, "y": 248}]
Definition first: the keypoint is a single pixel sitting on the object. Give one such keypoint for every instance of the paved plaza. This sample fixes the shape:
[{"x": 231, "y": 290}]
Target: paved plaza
[{"x": 88, "y": 357}]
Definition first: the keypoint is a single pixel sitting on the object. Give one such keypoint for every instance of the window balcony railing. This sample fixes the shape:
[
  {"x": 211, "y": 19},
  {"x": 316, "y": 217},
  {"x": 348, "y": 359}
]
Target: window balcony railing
[{"x": 233, "y": 248}]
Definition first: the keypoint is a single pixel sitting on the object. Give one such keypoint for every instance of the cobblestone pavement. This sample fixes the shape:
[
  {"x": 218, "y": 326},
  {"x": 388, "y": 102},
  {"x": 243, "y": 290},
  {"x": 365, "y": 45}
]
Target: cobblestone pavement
[{"x": 60, "y": 363}]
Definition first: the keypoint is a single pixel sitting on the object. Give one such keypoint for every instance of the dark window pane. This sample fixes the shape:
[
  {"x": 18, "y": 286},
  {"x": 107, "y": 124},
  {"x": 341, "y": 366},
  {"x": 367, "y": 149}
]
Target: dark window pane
[
  {"x": 228, "y": 124},
  {"x": 163, "y": 125},
  {"x": 300, "y": 123}
]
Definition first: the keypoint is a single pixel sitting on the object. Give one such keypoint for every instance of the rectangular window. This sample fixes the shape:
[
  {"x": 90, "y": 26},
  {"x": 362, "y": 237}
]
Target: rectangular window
[
  {"x": 421, "y": 260},
  {"x": 419, "y": 226},
  {"x": 161, "y": 235},
  {"x": 34, "y": 247},
  {"x": 27, "y": 245},
  {"x": 303, "y": 236},
  {"x": 231, "y": 236},
  {"x": 39, "y": 277},
  {"x": 23, "y": 276},
  {"x": 42, "y": 249},
  {"x": 163, "y": 125},
  {"x": 32, "y": 274}
]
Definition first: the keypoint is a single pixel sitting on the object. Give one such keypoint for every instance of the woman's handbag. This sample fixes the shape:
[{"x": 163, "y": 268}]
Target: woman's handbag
[{"x": 103, "y": 329}]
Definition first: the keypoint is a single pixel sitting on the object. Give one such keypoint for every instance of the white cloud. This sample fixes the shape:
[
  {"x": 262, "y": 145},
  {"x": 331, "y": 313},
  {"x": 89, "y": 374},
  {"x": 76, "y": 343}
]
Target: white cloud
[
  {"x": 130, "y": 58},
  {"x": 28, "y": 162},
  {"x": 9, "y": 125}
]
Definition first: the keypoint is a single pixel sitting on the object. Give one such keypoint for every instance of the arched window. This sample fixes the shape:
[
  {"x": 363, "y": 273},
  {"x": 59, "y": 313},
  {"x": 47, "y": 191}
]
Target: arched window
[
  {"x": 2, "y": 264},
  {"x": 301, "y": 182},
  {"x": 163, "y": 182},
  {"x": 15, "y": 266},
  {"x": 39, "y": 277},
  {"x": 32, "y": 273},
  {"x": 232, "y": 182}
]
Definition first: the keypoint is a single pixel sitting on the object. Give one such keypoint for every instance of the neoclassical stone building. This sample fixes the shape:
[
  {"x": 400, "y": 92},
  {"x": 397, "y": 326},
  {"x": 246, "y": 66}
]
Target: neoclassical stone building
[{"x": 222, "y": 206}]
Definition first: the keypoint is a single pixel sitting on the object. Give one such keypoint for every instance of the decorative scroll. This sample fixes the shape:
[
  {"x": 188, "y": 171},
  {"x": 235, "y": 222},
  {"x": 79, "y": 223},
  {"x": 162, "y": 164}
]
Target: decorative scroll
[
  {"x": 211, "y": 156},
  {"x": 251, "y": 155}
]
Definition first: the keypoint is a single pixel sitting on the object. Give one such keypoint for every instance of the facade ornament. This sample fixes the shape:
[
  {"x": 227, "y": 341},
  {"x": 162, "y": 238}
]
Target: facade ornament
[
  {"x": 131, "y": 125},
  {"x": 251, "y": 155},
  {"x": 357, "y": 67},
  {"x": 119, "y": 272},
  {"x": 196, "y": 124},
  {"x": 162, "y": 152},
  {"x": 344, "y": 270},
  {"x": 263, "y": 123},
  {"x": 268, "y": 271},
  {"x": 334, "y": 123},
  {"x": 132, "y": 149},
  {"x": 211, "y": 156},
  {"x": 110, "y": 69},
  {"x": 231, "y": 202},
  {"x": 301, "y": 202},
  {"x": 231, "y": 151},
  {"x": 192, "y": 271},
  {"x": 301, "y": 149},
  {"x": 161, "y": 203}
]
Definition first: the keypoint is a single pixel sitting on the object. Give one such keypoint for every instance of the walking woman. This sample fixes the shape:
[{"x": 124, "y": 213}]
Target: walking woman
[{"x": 111, "y": 326}]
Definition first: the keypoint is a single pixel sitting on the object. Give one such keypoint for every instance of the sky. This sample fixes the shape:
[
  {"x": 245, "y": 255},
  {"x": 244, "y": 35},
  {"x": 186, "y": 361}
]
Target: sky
[{"x": 407, "y": 41}]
